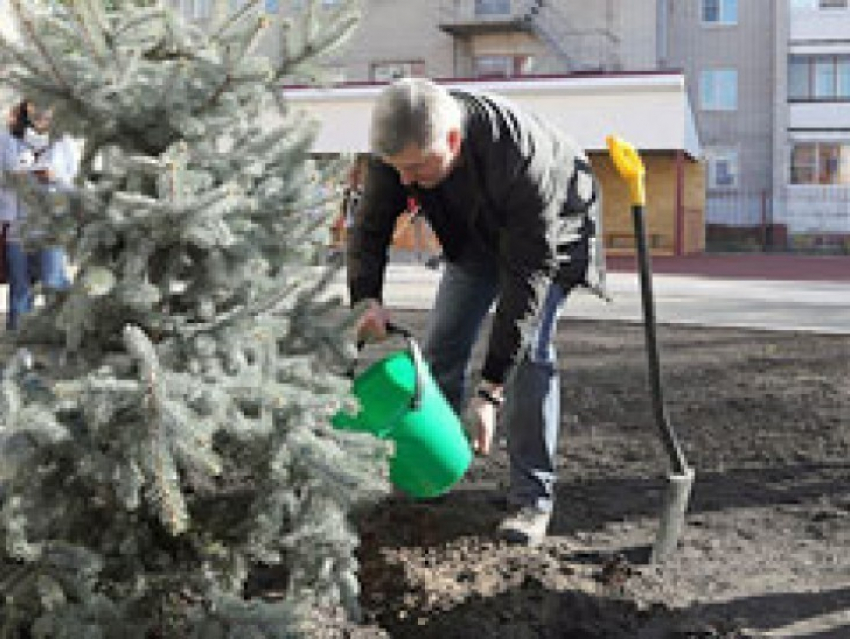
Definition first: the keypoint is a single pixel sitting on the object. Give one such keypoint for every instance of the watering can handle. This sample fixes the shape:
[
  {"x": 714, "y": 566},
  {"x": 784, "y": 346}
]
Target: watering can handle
[
  {"x": 415, "y": 355},
  {"x": 418, "y": 362}
]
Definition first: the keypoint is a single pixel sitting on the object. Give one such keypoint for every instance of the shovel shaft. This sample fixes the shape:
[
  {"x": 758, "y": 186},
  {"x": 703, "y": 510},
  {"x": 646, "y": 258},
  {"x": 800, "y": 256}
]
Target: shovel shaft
[{"x": 668, "y": 435}]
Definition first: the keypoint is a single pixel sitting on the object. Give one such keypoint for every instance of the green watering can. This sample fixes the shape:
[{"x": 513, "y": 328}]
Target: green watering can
[{"x": 400, "y": 401}]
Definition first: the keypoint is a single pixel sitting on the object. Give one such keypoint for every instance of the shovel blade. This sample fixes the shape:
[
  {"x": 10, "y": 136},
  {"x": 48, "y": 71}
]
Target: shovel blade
[{"x": 673, "y": 515}]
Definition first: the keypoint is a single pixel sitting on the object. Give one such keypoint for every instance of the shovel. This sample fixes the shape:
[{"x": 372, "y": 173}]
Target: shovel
[{"x": 681, "y": 479}]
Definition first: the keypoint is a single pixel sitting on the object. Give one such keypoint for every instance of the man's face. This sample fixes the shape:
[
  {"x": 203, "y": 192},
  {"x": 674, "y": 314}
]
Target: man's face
[{"x": 425, "y": 168}]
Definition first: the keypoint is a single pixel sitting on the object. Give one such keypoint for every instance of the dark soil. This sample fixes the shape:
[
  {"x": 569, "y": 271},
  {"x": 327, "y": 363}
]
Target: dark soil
[{"x": 765, "y": 420}]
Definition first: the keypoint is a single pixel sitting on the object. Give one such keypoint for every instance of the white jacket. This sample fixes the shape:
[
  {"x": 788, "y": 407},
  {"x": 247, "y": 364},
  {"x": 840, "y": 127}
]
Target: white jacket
[
  {"x": 10, "y": 149},
  {"x": 60, "y": 157}
]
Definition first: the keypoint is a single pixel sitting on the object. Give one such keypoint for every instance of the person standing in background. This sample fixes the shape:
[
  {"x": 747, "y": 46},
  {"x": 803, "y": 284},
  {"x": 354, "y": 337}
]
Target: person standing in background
[{"x": 27, "y": 147}]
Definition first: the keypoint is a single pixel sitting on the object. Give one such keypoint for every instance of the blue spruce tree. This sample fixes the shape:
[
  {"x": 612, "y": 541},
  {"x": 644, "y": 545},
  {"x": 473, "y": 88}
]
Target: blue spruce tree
[{"x": 174, "y": 433}]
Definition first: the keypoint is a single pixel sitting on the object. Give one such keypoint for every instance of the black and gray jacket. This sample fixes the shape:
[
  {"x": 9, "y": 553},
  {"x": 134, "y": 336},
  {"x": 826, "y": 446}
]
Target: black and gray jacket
[{"x": 522, "y": 190}]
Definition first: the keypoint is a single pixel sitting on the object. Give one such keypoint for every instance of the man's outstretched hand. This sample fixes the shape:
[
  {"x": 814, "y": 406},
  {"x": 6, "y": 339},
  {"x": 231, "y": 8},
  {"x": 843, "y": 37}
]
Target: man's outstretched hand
[
  {"x": 481, "y": 416},
  {"x": 372, "y": 325}
]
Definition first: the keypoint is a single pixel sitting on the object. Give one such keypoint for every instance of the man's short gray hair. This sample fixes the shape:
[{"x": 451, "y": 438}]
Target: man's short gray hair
[{"x": 412, "y": 110}]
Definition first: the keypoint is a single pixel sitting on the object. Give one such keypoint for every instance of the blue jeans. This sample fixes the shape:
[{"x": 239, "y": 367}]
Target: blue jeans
[
  {"x": 531, "y": 413},
  {"x": 46, "y": 265}
]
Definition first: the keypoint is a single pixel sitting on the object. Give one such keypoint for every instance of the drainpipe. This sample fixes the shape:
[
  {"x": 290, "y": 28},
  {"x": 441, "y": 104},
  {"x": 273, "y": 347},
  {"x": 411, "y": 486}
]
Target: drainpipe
[{"x": 662, "y": 36}]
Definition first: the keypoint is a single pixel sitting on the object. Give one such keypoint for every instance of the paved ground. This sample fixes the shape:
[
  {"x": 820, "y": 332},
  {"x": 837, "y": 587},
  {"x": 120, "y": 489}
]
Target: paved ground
[
  {"x": 777, "y": 292},
  {"x": 756, "y": 266}
]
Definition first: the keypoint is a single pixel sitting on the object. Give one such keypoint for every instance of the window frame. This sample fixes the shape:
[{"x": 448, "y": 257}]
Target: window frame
[
  {"x": 717, "y": 89},
  {"x": 723, "y": 20},
  {"x": 731, "y": 157},
  {"x": 821, "y": 152},
  {"x": 837, "y": 65}
]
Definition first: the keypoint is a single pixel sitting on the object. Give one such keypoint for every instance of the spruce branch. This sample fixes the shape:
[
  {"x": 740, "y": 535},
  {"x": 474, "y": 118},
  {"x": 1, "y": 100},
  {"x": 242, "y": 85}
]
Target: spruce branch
[
  {"x": 92, "y": 18},
  {"x": 242, "y": 312},
  {"x": 167, "y": 493},
  {"x": 252, "y": 39},
  {"x": 24, "y": 19},
  {"x": 233, "y": 18},
  {"x": 85, "y": 30},
  {"x": 319, "y": 42},
  {"x": 21, "y": 58},
  {"x": 217, "y": 396}
]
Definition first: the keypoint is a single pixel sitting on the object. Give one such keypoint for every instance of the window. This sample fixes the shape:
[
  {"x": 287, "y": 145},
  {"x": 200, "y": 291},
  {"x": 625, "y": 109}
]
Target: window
[
  {"x": 492, "y": 7},
  {"x": 723, "y": 169},
  {"x": 842, "y": 77},
  {"x": 719, "y": 90},
  {"x": 812, "y": 5},
  {"x": 298, "y": 5},
  {"x": 798, "y": 78},
  {"x": 804, "y": 166},
  {"x": 720, "y": 11},
  {"x": 819, "y": 78},
  {"x": 829, "y": 164},
  {"x": 389, "y": 71},
  {"x": 824, "y": 76},
  {"x": 501, "y": 66},
  {"x": 820, "y": 163},
  {"x": 493, "y": 66}
]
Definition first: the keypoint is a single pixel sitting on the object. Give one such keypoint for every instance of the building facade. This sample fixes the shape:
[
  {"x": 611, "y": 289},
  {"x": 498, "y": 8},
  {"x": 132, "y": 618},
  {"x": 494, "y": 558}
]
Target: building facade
[
  {"x": 726, "y": 50},
  {"x": 812, "y": 179},
  {"x": 768, "y": 80}
]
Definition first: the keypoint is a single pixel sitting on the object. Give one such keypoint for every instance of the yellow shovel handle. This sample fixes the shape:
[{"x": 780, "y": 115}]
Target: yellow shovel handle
[{"x": 629, "y": 166}]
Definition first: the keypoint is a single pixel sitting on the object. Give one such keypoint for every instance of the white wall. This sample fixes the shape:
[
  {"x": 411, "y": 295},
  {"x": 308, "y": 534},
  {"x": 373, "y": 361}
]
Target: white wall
[
  {"x": 820, "y": 116},
  {"x": 819, "y": 24},
  {"x": 650, "y": 111},
  {"x": 816, "y": 209}
]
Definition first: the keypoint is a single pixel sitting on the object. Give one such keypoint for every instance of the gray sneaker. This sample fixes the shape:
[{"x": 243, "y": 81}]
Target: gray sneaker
[{"x": 526, "y": 526}]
